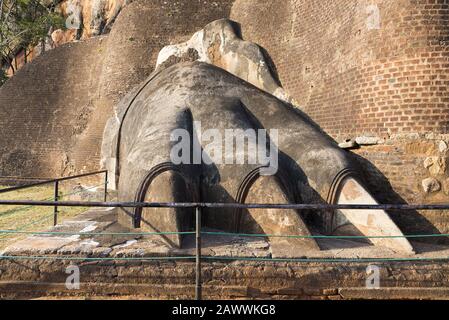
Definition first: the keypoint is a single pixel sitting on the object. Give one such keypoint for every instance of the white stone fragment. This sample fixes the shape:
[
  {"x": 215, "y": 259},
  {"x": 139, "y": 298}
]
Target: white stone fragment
[
  {"x": 89, "y": 228},
  {"x": 126, "y": 244},
  {"x": 442, "y": 146},
  {"x": 367, "y": 140},
  {"x": 431, "y": 185},
  {"x": 348, "y": 144}
]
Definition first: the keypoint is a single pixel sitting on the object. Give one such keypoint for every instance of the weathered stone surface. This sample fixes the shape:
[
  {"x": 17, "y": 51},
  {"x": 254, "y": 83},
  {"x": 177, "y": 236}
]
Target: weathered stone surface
[
  {"x": 217, "y": 56},
  {"x": 369, "y": 222},
  {"x": 329, "y": 74},
  {"x": 436, "y": 165},
  {"x": 367, "y": 140},
  {"x": 395, "y": 293},
  {"x": 234, "y": 105},
  {"x": 86, "y": 18},
  {"x": 431, "y": 185},
  {"x": 219, "y": 44},
  {"x": 446, "y": 186},
  {"x": 429, "y": 161},
  {"x": 348, "y": 144},
  {"x": 272, "y": 221},
  {"x": 424, "y": 147},
  {"x": 442, "y": 146},
  {"x": 139, "y": 157},
  {"x": 65, "y": 105}
]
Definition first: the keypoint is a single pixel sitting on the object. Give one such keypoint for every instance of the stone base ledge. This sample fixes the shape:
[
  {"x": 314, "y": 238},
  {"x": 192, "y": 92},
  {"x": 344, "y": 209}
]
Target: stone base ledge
[
  {"x": 119, "y": 267},
  {"x": 51, "y": 290},
  {"x": 441, "y": 293}
]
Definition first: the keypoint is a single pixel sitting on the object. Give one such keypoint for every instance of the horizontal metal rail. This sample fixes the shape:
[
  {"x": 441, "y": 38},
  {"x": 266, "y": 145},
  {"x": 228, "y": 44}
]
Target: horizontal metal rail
[
  {"x": 55, "y": 183},
  {"x": 225, "y": 234},
  {"x": 226, "y": 205},
  {"x": 24, "y": 178},
  {"x": 40, "y": 183}
]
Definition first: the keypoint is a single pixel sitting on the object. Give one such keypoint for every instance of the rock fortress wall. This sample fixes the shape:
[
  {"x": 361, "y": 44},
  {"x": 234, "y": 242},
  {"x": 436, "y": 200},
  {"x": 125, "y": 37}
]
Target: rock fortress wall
[{"x": 371, "y": 71}]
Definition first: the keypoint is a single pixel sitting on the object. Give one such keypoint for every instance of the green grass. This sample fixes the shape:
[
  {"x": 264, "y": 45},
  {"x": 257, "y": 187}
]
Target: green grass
[{"x": 31, "y": 218}]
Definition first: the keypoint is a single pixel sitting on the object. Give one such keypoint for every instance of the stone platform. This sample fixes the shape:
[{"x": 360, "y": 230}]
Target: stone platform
[{"x": 120, "y": 277}]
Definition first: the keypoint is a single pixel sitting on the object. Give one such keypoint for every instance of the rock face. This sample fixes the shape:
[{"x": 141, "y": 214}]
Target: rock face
[
  {"x": 219, "y": 44},
  {"x": 446, "y": 186},
  {"x": 87, "y": 18}
]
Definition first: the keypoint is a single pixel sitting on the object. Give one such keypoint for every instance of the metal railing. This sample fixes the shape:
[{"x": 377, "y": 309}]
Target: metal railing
[{"x": 56, "y": 182}]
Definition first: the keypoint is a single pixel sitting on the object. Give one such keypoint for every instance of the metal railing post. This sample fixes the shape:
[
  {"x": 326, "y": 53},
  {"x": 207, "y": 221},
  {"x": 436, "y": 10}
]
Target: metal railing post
[
  {"x": 198, "y": 253},
  {"x": 55, "y": 210},
  {"x": 105, "y": 185}
]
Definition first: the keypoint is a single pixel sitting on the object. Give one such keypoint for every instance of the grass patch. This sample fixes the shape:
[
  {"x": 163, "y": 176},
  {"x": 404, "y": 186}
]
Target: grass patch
[{"x": 31, "y": 218}]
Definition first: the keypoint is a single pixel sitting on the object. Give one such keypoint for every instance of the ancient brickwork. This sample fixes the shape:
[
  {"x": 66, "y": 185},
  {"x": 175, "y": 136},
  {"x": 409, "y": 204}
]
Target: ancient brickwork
[
  {"x": 47, "y": 116},
  {"x": 369, "y": 68},
  {"x": 355, "y": 67}
]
